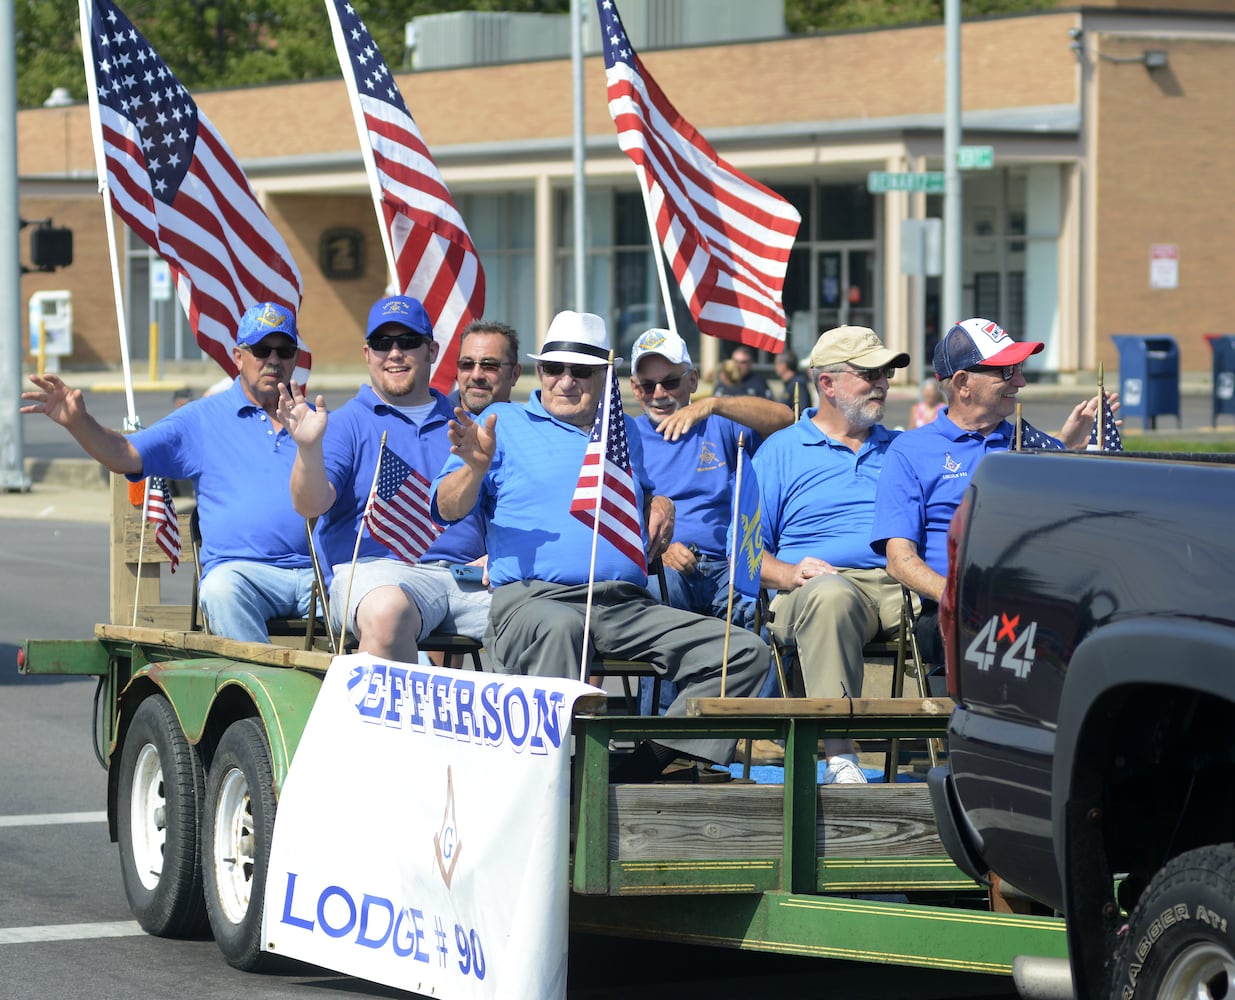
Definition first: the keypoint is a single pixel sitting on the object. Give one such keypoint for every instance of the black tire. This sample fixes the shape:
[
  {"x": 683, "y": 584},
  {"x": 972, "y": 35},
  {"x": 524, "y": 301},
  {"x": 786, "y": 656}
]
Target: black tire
[
  {"x": 1180, "y": 939},
  {"x": 239, "y": 817},
  {"x": 158, "y": 807}
]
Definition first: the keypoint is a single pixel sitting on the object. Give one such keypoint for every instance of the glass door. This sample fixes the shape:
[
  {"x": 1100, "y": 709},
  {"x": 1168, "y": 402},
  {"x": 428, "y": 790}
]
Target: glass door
[{"x": 847, "y": 287}]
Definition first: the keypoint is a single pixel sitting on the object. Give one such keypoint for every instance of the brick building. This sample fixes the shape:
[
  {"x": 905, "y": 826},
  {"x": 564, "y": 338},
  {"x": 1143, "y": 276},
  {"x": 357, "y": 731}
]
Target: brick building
[{"x": 1109, "y": 125}]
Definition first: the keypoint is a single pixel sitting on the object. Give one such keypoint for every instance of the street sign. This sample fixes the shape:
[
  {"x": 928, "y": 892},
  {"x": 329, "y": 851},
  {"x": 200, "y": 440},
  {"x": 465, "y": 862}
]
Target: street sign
[
  {"x": 881, "y": 182},
  {"x": 975, "y": 157},
  {"x": 922, "y": 247}
]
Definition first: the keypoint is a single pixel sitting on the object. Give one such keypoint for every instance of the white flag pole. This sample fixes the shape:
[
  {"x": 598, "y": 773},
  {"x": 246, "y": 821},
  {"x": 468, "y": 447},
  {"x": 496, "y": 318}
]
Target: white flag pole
[
  {"x": 351, "y": 575},
  {"x": 366, "y": 147},
  {"x": 733, "y": 562},
  {"x": 86, "y": 11},
  {"x": 591, "y": 570},
  {"x": 657, "y": 253}
]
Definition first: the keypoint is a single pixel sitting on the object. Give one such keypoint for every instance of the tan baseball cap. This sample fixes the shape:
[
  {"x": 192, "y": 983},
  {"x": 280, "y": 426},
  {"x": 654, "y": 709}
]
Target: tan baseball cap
[{"x": 859, "y": 346}]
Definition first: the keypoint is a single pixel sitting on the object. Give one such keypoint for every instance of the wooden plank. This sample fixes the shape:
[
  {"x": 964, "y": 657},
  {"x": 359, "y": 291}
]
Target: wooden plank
[
  {"x": 167, "y": 617},
  {"x": 681, "y": 822},
  {"x": 891, "y": 708},
  {"x": 199, "y": 642}
]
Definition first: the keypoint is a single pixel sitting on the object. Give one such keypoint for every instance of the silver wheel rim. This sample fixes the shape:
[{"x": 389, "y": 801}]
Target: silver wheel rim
[
  {"x": 234, "y": 845},
  {"x": 148, "y": 817},
  {"x": 1204, "y": 971}
]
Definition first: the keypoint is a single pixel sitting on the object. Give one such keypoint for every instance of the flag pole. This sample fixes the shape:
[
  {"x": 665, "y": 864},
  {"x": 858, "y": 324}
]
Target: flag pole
[
  {"x": 351, "y": 575},
  {"x": 370, "y": 164},
  {"x": 600, "y": 497},
  {"x": 1100, "y": 416},
  {"x": 1017, "y": 444},
  {"x": 733, "y": 558},
  {"x": 797, "y": 405},
  {"x": 337, "y": 647},
  {"x": 656, "y": 249},
  {"x": 141, "y": 547},
  {"x": 85, "y": 10}
]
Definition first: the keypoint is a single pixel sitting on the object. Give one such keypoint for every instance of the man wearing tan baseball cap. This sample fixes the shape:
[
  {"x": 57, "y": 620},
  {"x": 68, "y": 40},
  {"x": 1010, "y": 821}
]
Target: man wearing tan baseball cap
[{"x": 817, "y": 484}]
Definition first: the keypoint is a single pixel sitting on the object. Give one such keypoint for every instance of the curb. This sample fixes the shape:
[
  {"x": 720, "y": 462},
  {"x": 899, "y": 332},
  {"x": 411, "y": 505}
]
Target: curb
[{"x": 76, "y": 473}]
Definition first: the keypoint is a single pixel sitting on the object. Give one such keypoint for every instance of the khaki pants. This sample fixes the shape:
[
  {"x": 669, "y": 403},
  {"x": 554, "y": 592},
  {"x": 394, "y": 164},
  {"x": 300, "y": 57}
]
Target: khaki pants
[{"x": 829, "y": 619}]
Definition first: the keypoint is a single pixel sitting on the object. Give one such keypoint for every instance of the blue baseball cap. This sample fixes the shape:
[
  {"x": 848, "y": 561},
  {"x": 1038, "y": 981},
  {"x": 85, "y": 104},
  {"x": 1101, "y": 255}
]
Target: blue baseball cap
[
  {"x": 263, "y": 319},
  {"x": 404, "y": 310}
]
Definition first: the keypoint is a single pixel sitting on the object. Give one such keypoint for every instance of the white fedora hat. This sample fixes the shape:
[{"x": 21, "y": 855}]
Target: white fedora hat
[{"x": 576, "y": 338}]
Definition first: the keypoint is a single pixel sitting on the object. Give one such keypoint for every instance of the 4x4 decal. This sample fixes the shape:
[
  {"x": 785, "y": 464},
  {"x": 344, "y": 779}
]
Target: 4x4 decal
[{"x": 1018, "y": 656}]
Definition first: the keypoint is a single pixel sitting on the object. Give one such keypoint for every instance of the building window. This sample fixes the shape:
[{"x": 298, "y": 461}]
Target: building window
[{"x": 503, "y": 229}]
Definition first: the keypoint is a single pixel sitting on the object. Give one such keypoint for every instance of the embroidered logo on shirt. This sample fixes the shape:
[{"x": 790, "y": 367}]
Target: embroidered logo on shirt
[
  {"x": 710, "y": 458},
  {"x": 950, "y": 464}
]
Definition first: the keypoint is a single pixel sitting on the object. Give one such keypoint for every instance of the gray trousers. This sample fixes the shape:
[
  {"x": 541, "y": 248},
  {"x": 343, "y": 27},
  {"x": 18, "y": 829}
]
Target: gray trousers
[
  {"x": 830, "y": 618},
  {"x": 537, "y": 628}
]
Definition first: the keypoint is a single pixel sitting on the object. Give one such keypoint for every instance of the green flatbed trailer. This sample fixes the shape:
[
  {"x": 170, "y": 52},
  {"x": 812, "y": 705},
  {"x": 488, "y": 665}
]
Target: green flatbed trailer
[{"x": 854, "y": 872}]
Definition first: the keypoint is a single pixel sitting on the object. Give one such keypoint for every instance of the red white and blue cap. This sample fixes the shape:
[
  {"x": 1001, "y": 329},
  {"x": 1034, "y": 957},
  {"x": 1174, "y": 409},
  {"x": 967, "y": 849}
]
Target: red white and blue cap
[
  {"x": 979, "y": 342},
  {"x": 263, "y": 319},
  {"x": 401, "y": 310}
]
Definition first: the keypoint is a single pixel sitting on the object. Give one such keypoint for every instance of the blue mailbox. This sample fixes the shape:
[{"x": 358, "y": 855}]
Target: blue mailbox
[
  {"x": 1148, "y": 376},
  {"x": 1223, "y": 346}
]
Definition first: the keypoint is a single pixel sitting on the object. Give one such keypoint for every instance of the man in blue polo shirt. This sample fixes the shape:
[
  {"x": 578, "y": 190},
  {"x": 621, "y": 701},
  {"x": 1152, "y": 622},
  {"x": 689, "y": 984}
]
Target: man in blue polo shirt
[
  {"x": 232, "y": 445},
  {"x": 519, "y": 466},
  {"x": 391, "y": 604},
  {"x": 690, "y": 451},
  {"x": 980, "y": 371}
]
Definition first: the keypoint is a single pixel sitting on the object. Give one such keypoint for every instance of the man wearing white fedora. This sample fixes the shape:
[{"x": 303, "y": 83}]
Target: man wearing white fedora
[{"x": 520, "y": 465}]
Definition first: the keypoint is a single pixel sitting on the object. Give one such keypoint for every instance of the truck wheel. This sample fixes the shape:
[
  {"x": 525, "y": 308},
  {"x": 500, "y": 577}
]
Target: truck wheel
[
  {"x": 1180, "y": 940},
  {"x": 239, "y": 817},
  {"x": 157, "y": 808}
]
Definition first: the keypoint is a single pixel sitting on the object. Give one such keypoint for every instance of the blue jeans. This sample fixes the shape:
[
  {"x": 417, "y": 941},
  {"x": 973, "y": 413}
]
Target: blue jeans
[
  {"x": 238, "y": 596},
  {"x": 705, "y": 592}
]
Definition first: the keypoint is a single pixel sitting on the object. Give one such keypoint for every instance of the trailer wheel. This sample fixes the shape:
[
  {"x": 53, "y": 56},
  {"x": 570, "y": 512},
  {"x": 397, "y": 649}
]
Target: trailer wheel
[
  {"x": 1180, "y": 939},
  {"x": 158, "y": 805},
  {"x": 239, "y": 819}
]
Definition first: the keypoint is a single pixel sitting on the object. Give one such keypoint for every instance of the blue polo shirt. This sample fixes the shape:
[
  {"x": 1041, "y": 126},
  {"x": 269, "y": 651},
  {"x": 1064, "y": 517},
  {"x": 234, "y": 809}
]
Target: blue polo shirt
[
  {"x": 525, "y": 498},
  {"x": 696, "y": 472},
  {"x": 818, "y": 496},
  {"x": 350, "y": 450},
  {"x": 924, "y": 477},
  {"x": 240, "y": 467}
]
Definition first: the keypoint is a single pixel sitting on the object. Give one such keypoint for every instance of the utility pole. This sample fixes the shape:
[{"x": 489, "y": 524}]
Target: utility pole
[
  {"x": 951, "y": 173},
  {"x": 12, "y": 450}
]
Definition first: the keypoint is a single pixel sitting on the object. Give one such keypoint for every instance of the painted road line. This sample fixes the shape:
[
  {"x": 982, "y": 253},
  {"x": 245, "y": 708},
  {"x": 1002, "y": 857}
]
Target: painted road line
[
  {"x": 69, "y": 932},
  {"x": 53, "y": 819}
]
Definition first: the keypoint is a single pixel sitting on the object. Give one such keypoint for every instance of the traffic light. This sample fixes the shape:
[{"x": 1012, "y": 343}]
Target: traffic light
[{"x": 51, "y": 247}]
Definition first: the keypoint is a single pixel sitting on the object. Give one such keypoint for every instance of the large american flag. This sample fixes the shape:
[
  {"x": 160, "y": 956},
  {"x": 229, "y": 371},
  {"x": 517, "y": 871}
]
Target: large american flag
[
  {"x": 726, "y": 236},
  {"x": 161, "y": 512},
  {"x": 397, "y": 514},
  {"x": 434, "y": 258},
  {"x": 605, "y": 479},
  {"x": 172, "y": 179}
]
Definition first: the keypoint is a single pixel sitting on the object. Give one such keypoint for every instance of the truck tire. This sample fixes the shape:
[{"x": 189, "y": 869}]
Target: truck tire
[
  {"x": 1180, "y": 939},
  {"x": 239, "y": 818},
  {"x": 158, "y": 803}
]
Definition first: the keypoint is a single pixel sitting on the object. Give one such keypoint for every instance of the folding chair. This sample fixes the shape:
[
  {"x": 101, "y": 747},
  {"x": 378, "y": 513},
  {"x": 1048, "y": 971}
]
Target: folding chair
[
  {"x": 435, "y": 642},
  {"x": 275, "y": 627}
]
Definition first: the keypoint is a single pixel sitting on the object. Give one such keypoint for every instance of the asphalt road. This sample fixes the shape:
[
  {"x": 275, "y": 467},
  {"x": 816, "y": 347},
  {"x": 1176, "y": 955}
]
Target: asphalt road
[{"x": 65, "y": 928}]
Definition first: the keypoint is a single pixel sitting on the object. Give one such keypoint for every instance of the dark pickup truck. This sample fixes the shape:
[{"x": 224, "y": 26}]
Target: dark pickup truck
[{"x": 1089, "y": 631}]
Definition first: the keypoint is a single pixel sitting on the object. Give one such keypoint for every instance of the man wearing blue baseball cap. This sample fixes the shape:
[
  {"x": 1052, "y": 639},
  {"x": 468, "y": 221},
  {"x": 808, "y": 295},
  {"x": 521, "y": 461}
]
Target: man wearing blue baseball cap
[
  {"x": 255, "y": 560},
  {"x": 392, "y": 603}
]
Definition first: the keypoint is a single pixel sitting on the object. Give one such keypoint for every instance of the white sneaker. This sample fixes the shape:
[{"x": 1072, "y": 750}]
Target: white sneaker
[{"x": 843, "y": 769}]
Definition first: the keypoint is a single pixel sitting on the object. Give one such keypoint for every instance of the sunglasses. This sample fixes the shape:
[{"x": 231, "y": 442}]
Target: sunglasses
[
  {"x": 490, "y": 366},
  {"x": 383, "y": 342},
  {"x": 1006, "y": 373},
  {"x": 668, "y": 384},
  {"x": 873, "y": 375},
  {"x": 555, "y": 368},
  {"x": 262, "y": 351}
]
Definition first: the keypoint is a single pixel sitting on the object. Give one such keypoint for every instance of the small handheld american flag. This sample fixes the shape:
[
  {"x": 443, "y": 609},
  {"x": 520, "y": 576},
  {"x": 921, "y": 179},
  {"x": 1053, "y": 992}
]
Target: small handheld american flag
[
  {"x": 161, "y": 512},
  {"x": 397, "y": 514},
  {"x": 605, "y": 480}
]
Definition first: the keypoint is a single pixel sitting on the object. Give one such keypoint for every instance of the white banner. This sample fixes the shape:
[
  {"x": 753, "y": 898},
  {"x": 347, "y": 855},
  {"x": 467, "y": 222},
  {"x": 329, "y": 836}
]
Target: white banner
[{"x": 421, "y": 839}]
